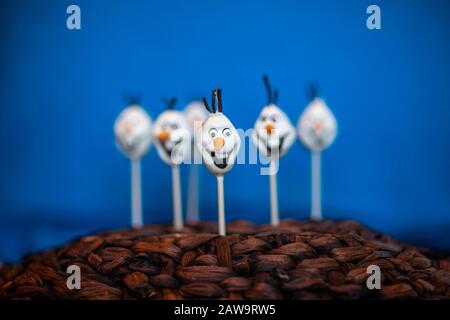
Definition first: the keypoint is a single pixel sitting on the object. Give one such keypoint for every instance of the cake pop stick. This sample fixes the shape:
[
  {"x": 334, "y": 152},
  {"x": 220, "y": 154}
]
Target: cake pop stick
[
  {"x": 274, "y": 134},
  {"x": 317, "y": 129},
  {"x": 218, "y": 142},
  {"x": 132, "y": 131},
  {"x": 195, "y": 115},
  {"x": 172, "y": 140}
]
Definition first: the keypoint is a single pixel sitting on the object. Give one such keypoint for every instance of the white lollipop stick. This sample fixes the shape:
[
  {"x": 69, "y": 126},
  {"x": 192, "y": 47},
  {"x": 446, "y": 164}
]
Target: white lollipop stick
[
  {"x": 193, "y": 211},
  {"x": 274, "y": 216},
  {"x": 136, "y": 200},
  {"x": 221, "y": 205},
  {"x": 176, "y": 191},
  {"x": 316, "y": 206}
]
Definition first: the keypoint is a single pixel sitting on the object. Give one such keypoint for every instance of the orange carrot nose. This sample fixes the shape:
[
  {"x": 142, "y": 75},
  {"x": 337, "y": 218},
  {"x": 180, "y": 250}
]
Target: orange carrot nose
[
  {"x": 163, "y": 135},
  {"x": 218, "y": 143},
  {"x": 127, "y": 128},
  {"x": 318, "y": 126},
  {"x": 269, "y": 128}
]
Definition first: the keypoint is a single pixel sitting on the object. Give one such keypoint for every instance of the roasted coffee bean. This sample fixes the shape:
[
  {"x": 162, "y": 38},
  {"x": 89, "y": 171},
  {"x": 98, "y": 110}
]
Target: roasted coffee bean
[
  {"x": 336, "y": 278},
  {"x": 268, "y": 262},
  {"x": 224, "y": 252},
  {"x": 398, "y": 291},
  {"x": 188, "y": 257},
  {"x": 420, "y": 262},
  {"x": 385, "y": 246},
  {"x": 171, "y": 294},
  {"x": 163, "y": 248},
  {"x": 206, "y": 260},
  {"x": 95, "y": 260},
  {"x": 136, "y": 281},
  {"x": 112, "y": 253},
  {"x": 236, "y": 284},
  {"x": 202, "y": 290},
  {"x": 108, "y": 267},
  {"x": 164, "y": 281},
  {"x": 203, "y": 273},
  {"x": 350, "y": 254},
  {"x": 193, "y": 241},
  {"x": 249, "y": 245},
  {"x": 324, "y": 243},
  {"x": 142, "y": 264},
  {"x": 295, "y": 250},
  {"x": 324, "y": 264}
]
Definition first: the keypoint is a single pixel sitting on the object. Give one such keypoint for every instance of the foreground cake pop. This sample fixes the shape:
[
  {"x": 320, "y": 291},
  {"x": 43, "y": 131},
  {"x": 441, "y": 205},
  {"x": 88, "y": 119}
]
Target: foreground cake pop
[
  {"x": 172, "y": 140},
  {"x": 195, "y": 115},
  {"x": 274, "y": 134},
  {"x": 218, "y": 142},
  {"x": 133, "y": 133},
  {"x": 317, "y": 129}
]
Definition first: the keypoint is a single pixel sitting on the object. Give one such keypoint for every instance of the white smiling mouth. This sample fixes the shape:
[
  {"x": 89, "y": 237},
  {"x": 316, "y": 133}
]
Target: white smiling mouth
[
  {"x": 268, "y": 148},
  {"x": 222, "y": 161},
  {"x": 167, "y": 150}
]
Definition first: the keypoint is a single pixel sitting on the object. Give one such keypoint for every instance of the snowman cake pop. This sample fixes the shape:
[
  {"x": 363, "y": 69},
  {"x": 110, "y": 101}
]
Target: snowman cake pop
[
  {"x": 218, "y": 142},
  {"x": 273, "y": 135},
  {"x": 172, "y": 140},
  {"x": 317, "y": 129},
  {"x": 133, "y": 134},
  {"x": 195, "y": 114}
]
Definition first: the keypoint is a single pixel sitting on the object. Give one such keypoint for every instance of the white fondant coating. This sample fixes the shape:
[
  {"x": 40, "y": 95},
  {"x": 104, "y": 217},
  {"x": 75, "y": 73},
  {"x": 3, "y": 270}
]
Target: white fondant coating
[
  {"x": 317, "y": 127},
  {"x": 133, "y": 131},
  {"x": 274, "y": 132},
  {"x": 218, "y": 142},
  {"x": 172, "y": 137}
]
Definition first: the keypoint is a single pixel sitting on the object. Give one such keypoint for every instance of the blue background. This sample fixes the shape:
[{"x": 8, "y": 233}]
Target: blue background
[{"x": 60, "y": 91}]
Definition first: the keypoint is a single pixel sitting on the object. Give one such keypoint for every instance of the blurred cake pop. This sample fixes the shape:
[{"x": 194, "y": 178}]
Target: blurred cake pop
[
  {"x": 317, "y": 129},
  {"x": 273, "y": 135},
  {"x": 172, "y": 140},
  {"x": 133, "y": 134}
]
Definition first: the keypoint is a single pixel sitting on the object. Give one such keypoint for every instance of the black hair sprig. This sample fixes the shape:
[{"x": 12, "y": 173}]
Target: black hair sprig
[
  {"x": 215, "y": 95},
  {"x": 170, "y": 103},
  {"x": 312, "y": 91},
  {"x": 219, "y": 99},
  {"x": 272, "y": 95},
  {"x": 132, "y": 99}
]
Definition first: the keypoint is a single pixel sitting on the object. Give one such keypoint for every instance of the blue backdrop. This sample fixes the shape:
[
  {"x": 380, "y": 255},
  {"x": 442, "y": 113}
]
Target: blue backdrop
[{"x": 60, "y": 91}]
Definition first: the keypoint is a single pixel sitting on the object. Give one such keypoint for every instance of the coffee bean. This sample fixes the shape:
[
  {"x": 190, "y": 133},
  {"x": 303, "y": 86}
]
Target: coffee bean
[
  {"x": 202, "y": 290},
  {"x": 136, "y": 281}
]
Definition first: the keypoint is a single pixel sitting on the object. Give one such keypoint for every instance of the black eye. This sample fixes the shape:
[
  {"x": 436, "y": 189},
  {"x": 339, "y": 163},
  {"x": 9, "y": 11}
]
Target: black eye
[
  {"x": 263, "y": 118},
  {"x": 273, "y": 118},
  {"x": 174, "y": 126},
  {"x": 226, "y": 132},
  {"x": 212, "y": 133}
]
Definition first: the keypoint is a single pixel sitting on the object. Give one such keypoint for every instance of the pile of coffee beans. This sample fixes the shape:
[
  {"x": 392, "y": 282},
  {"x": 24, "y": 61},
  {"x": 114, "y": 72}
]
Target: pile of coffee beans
[{"x": 297, "y": 260}]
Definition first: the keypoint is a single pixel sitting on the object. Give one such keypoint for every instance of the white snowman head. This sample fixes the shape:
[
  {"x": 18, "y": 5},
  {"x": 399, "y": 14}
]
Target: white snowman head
[
  {"x": 218, "y": 140},
  {"x": 172, "y": 135},
  {"x": 274, "y": 133},
  {"x": 195, "y": 114},
  {"x": 133, "y": 131},
  {"x": 317, "y": 127}
]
